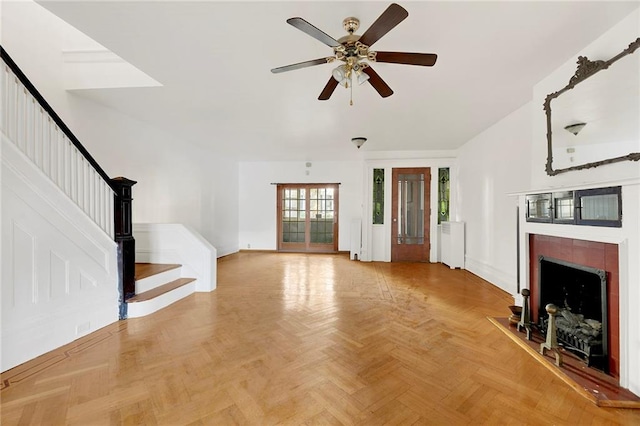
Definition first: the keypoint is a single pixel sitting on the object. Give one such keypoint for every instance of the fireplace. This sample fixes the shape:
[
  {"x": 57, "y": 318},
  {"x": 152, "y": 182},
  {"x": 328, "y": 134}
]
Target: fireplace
[
  {"x": 587, "y": 256},
  {"x": 580, "y": 294}
]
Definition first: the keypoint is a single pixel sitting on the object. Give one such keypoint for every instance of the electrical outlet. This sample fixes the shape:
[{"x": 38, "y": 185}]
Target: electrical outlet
[{"x": 248, "y": 246}]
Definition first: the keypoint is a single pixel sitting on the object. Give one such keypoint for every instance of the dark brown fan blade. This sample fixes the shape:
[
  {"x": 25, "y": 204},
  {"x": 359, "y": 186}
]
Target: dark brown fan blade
[
  {"x": 378, "y": 83},
  {"x": 424, "y": 59},
  {"x": 385, "y": 23},
  {"x": 328, "y": 89},
  {"x": 306, "y": 27},
  {"x": 299, "y": 65}
]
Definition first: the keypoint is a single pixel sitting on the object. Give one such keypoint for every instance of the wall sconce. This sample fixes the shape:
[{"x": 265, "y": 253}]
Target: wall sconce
[
  {"x": 359, "y": 141},
  {"x": 575, "y": 128}
]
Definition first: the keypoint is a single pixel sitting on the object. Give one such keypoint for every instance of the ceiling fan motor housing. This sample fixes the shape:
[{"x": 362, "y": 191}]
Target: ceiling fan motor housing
[{"x": 351, "y": 24}]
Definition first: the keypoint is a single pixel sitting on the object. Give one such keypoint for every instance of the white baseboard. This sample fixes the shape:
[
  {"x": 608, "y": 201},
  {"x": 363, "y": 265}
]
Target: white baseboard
[{"x": 499, "y": 278}]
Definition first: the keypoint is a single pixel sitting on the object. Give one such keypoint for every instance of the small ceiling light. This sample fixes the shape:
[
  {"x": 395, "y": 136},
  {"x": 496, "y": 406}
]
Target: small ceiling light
[
  {"x": 341, "y": 74},
  {"x": 362, "y": 77},
  {"x": 359, "y": 141},
  {"x": 575, "y": 128}
]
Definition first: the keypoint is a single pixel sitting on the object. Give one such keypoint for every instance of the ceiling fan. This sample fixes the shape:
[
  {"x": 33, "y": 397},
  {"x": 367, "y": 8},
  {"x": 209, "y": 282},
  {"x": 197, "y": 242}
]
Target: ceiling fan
[{"x": 353, "y": 52}]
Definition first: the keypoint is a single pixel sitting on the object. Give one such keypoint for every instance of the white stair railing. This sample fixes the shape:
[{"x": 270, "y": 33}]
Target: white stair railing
[{"x": 33, "y": 127}]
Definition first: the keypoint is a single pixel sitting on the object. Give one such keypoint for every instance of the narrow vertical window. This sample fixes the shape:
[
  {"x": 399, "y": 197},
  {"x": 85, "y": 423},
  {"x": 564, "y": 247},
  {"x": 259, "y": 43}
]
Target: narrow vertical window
[
  {"x": 443, "y": 194},
  {"x": 378, "y": 196}
]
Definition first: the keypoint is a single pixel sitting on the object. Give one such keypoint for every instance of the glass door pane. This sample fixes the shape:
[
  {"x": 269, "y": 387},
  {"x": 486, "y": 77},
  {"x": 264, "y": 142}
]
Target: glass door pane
[
  {"x": 411, "y": 208},
  {"x": 293, "y": 215},
  {"x": 321, "y": 215}
]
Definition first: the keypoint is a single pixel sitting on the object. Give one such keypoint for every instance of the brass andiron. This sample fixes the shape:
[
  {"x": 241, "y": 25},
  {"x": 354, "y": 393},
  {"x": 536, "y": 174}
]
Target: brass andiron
[
  {"x": 525, "y": 321},
  {"x": 552, "y": 340}
]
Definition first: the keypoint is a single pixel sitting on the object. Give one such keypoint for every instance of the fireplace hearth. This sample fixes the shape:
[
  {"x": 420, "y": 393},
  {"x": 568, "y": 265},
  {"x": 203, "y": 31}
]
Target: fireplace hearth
[{"x": 580, "y": 293}]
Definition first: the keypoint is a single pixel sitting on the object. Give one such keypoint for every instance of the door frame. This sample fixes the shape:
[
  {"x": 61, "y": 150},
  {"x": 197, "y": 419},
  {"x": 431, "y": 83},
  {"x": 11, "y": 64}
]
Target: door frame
[{"x": 308, "y": 246}]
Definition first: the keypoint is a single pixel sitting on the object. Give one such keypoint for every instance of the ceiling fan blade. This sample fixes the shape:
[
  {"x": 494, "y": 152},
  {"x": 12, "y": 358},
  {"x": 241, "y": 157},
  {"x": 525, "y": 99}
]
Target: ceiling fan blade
[
  {"x": 314, "y": 32},
  {"x": 385, "y": 23},
  {"x": 378, "y": 83},
  {"x": 424, "y": 59},
  {"x": 328, "y": 89},
  {"x": 299, "y": 65}
]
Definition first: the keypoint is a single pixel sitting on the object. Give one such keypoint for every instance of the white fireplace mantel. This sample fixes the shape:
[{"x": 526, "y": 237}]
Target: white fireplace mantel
[{"x": 627, "y": 238}]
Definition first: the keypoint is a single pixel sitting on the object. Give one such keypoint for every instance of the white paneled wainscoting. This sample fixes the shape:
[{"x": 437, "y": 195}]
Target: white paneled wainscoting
[{"x": 59, "y": 269}]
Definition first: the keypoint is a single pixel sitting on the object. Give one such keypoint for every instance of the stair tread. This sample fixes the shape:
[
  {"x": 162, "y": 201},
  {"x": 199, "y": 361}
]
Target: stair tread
[
  {"x": 144, "y": 270},
  {"x": 160, "y": 290}
]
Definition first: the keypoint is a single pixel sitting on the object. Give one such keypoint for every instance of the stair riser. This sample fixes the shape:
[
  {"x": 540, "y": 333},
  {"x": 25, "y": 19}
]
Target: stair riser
[
  {"x": 156, "y": 280},
  {"x": 140, "y": 309}
]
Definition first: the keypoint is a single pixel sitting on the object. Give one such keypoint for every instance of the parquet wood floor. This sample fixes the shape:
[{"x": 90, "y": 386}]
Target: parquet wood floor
[{"x": 305, "y": 339}]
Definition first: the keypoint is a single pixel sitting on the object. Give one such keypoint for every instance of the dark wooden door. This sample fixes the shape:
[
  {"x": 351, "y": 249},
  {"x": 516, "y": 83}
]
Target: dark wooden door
[{"x": 410, "y": 196}]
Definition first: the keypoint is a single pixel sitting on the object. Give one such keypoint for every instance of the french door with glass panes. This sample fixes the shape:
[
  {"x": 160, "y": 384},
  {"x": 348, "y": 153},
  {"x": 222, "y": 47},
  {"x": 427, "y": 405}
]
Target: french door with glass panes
[{"x": 308, "y": 217}]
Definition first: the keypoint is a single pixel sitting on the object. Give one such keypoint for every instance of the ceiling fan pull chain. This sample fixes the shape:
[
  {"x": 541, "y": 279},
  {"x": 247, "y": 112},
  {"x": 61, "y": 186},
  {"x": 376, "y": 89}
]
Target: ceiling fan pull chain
[{"x": 351, "y": 95}]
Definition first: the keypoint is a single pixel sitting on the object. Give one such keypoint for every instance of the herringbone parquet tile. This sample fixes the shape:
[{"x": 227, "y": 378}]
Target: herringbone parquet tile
[{"x": 305, "y": 339}]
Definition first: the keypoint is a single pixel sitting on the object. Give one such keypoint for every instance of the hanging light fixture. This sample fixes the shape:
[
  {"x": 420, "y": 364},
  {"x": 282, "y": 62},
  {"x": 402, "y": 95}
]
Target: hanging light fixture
[
  {"x": 344, "y": 73},
  {"x": 575, "y": 128},
  {"x": 358, "y": 141}
]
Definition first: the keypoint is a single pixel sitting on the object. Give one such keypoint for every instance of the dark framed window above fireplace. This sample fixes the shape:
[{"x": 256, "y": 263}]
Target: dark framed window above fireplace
[
  {"x": 599, "y": 207},
  {"x": 539, "y": 207},
  {"x": 591, "y": 207}
]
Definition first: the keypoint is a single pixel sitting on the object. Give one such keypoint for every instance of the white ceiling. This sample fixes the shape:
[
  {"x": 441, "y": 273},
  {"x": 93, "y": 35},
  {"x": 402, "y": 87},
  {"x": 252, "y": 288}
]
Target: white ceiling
[{"x": 214, "y": 59}]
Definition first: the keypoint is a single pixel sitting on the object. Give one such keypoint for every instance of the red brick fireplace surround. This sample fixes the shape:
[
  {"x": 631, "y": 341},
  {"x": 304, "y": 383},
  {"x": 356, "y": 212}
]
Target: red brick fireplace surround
[{"x": 587, "y": 253}]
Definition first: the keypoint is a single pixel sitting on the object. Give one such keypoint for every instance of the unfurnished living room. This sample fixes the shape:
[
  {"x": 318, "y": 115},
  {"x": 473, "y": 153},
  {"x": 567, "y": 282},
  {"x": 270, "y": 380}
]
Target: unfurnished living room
[{"x": 305, "y": 212}]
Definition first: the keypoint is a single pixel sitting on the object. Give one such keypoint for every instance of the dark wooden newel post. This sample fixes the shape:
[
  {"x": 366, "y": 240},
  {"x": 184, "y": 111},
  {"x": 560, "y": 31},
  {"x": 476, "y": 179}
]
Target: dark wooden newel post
[{"x": 124, "y": 239}]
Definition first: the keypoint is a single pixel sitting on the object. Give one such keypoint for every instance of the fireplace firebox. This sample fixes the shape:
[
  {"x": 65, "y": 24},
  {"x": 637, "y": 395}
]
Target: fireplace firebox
[{"x": 580, "y": 293}]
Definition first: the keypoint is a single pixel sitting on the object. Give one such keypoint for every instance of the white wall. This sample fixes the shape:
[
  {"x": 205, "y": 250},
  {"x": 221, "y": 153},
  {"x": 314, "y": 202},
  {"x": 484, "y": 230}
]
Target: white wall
[
  {"x": 258, "y": 226},
  {"x": 258, "y": 215},
  {"x": 178, "y": 181},
  {"x": 490, "y": 166},
  {"x": 376, "y": 239}
]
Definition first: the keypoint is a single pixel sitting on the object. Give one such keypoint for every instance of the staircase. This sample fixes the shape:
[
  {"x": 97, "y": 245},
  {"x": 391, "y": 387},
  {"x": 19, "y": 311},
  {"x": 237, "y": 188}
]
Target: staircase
[
  {"x": 157, "y": 286},
  {"x": 68, "y": 249}
]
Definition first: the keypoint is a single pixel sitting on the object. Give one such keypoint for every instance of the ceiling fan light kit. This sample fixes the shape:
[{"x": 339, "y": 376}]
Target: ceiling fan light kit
[{"x": 353, "y": 51}]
